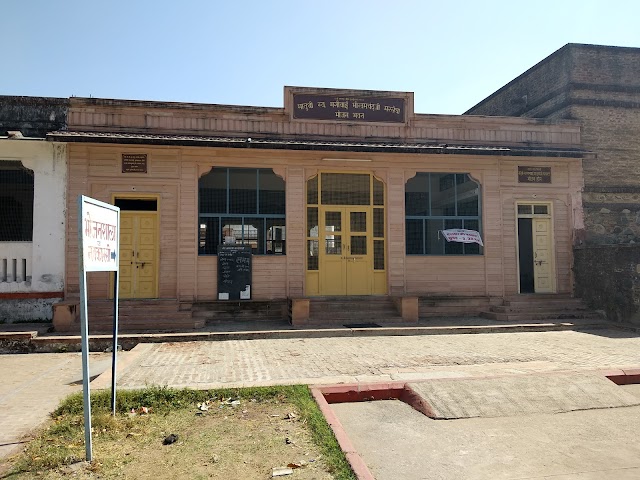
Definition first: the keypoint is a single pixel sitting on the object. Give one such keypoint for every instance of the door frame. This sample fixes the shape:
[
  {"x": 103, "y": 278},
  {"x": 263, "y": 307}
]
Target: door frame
[
  {"x": 142, "y": 196},
  {"x": 552, "y": 249},
  {"x": 345, "y": 256},
  {"x": 379, "y": 279}
]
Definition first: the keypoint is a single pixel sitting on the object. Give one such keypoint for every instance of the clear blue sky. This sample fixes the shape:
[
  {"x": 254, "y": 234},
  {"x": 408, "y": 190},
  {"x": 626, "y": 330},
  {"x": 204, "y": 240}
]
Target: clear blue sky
[{"x": 452, "y": 54}]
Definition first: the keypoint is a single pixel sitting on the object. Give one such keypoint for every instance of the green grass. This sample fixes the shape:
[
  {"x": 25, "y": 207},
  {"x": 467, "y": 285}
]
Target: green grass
[{"x": 62, "y": 443}]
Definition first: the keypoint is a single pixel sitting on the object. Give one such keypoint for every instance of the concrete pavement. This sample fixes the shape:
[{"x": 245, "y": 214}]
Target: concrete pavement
[
  {"x": 236, "y": 363},
  {"x": 395, "y": 441},
  {"x": 403, "y": 443},
  {"x": 32, "y": 386}
]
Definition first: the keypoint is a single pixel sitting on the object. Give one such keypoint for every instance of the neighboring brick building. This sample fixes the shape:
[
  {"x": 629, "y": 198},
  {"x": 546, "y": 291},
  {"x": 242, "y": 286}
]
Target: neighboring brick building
[{"x": 599, "y": 86}]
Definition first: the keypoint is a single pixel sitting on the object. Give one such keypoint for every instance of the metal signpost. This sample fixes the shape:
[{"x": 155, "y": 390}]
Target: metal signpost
[{"x": 98, "y": 243}]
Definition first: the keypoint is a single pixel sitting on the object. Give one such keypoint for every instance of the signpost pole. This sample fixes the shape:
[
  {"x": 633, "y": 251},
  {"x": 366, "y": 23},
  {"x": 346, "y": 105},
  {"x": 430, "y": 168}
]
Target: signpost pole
[
  {"x": 84, "y": 332},
  {"x": 98, "y": 251},
  {"x": 115, "y": 343}
]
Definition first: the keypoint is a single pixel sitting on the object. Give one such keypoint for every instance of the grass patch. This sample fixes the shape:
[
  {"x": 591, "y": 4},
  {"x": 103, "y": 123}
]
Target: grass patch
[{"x": 242, "y": 440}]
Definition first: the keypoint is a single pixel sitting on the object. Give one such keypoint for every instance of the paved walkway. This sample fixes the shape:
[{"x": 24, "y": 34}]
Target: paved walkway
[
  {"x": 31, "y": 386},
  {"x": 396, "y": 442},
  {"x": 365, "y": 359}
]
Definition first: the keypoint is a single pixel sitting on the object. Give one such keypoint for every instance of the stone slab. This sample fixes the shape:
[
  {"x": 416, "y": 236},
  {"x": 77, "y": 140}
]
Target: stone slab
[
  {"x": 521, "y": 395},
  {"x": 397, "y": 442}
]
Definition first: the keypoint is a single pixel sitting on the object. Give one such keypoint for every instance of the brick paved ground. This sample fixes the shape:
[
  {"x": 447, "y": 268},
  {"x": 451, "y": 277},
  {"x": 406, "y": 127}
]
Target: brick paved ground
[
  {"x": 31, "y": 386},
  {"x": 329, "y": 360}
]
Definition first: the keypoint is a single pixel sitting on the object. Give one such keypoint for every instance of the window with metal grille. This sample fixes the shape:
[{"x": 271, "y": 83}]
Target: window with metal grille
[
  {"x": 16, "y": 202},
  {"x": 243, "y": 206},
  {"x": 441, "y": 201}
]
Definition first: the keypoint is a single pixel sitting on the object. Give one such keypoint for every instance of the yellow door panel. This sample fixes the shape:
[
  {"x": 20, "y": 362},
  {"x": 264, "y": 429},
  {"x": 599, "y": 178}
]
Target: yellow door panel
[
  {"x": 345, "y": 220},
  {"x": 346, "y": 260},
  {"x": 127, "y": 245},
  {"x": 542, "y": 259},
  {"x": 138, "y": 254},
  {"x": 332, "y": 252},
  {"x": 359, "y": 259},
  {"x": 148, "y": 221},
  {"x": 359, "y": 276}
]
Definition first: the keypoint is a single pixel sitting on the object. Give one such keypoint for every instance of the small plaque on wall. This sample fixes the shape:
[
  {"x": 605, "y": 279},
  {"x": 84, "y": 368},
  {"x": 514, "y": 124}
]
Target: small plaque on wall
[
  {"x": 534, "y": 174},
  {"x": 134, "y": 163}
]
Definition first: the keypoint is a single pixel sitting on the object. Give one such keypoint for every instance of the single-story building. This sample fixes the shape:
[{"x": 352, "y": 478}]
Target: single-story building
[{"x": 341, "y": 193}]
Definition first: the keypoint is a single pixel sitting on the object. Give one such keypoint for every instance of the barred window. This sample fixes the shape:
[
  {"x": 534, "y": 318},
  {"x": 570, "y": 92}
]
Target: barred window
[
  {"x": 243, "y": 206},
  {"x": 16, "y": 202},
  {"x": 441, "y": 201}
]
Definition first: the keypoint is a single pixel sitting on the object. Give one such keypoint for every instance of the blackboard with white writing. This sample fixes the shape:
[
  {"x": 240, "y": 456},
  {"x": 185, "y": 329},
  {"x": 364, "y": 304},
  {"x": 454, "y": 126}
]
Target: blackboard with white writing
[{"x": 234, "y": 272}]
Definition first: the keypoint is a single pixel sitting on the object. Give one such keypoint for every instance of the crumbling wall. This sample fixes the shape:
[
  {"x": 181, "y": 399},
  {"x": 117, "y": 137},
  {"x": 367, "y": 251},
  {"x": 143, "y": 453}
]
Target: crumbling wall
[
  {"x": 608, "y": 278},
  {"x": 33, "y": 116}
]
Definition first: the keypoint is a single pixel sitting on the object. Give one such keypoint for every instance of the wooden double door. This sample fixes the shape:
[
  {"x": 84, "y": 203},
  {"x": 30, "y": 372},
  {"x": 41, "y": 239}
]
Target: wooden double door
[
  {"x": 138, "y": 276},
  {"x": 346, "y": 257}
]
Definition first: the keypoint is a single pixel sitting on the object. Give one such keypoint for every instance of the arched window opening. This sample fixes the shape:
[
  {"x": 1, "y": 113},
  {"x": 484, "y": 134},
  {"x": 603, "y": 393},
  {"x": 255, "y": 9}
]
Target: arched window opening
[
  {"x": 16, "y": 202},
  {"x": 441, "y": 201},
  {"x": 243, "y": 206}
]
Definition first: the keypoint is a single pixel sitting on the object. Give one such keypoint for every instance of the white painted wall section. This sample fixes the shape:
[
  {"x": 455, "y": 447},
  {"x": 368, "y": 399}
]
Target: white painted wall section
[{"x": 39, "y": 265}]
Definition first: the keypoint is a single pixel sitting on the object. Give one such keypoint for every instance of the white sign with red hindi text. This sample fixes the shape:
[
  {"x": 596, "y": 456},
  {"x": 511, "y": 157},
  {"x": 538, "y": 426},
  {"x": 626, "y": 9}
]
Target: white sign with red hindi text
[
  {"x": 462, "y": 235},
  {"x": 100, "y": 235}
]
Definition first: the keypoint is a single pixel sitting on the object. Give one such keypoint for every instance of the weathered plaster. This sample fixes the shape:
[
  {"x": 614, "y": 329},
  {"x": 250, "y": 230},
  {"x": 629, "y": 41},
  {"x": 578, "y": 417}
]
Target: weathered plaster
[{"x": 45, "y": 254}]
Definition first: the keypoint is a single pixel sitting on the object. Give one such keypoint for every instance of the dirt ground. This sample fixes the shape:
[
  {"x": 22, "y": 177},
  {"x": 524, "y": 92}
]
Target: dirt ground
[{"x": 226, "y": 441}]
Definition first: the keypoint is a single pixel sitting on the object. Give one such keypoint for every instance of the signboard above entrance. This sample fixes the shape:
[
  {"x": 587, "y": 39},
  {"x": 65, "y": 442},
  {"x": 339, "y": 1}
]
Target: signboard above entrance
[
  {"x": 349, "y": 108},
  {"x": 534, "y": 174},
  {"x": 134, "y": 163}
]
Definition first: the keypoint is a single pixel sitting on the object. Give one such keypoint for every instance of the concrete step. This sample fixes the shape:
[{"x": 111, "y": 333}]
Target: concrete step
[
  {"x": 131, "y": 307},
  {"x": 555, "y": 315},
  {"x": 450, "y": 306},
  {"x": 538, "y": 308},
  {"x": 451, "y": 311},
  {"x": 546, "y": 300},
  {"x": 225, "y": 311},
  {"x": 352, "y": 310},
  {"x": 138, "y": 315},
  {"x": 454, "y": 301}
]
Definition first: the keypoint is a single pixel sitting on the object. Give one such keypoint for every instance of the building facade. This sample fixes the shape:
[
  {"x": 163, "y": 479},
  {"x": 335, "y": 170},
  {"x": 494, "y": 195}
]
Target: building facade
[
  {"x": 599, "y": 86},
  {"x": 33, "y": 174},
  {"x": 339, "y": 193}
]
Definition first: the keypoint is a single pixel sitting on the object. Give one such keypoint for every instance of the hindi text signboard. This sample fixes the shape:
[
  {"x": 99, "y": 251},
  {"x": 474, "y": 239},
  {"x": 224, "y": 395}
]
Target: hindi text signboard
[
  {"x": 234, "y": 272},
  {"x": 462, "y": 235},
  {"x": 98, "y": 251},
  {"x": 528, "y": 174},
  {"x": 134, "y": 163},
  {"x": 349, "y": 108},
  {"x": 100, "y": 235}
]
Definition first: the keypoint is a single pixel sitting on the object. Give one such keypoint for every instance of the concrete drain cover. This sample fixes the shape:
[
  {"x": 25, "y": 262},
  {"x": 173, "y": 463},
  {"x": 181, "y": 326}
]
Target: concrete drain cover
[{"x": 521, "y": 395}]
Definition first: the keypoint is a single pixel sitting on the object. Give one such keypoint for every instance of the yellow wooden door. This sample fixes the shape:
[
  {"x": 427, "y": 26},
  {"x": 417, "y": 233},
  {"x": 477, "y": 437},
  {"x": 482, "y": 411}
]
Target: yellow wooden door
[
  {"x": 138, "y": 275},
  {"x": 126, "y": 275},
  {"x": 346, "y": 257},
  {"x": 332, "y": 250},
  {"x": 543, "y": 271},
  {"x": 358, "y": 258}
]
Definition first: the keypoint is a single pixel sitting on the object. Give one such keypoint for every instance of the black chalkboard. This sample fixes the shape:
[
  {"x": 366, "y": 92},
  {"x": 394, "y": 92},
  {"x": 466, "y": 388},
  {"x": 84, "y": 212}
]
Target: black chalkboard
[{"x": 234, "y": 272}]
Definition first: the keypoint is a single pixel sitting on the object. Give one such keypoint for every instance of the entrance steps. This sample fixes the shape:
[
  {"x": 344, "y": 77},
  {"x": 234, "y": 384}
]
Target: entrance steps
[
  {"x": 214, "y": 312},
  {"x": 535, "y": 307},
  {"x": 452, "y": 306},
  {"x": 353, "y": 310},
  {"x": 133, "y": 315}
]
